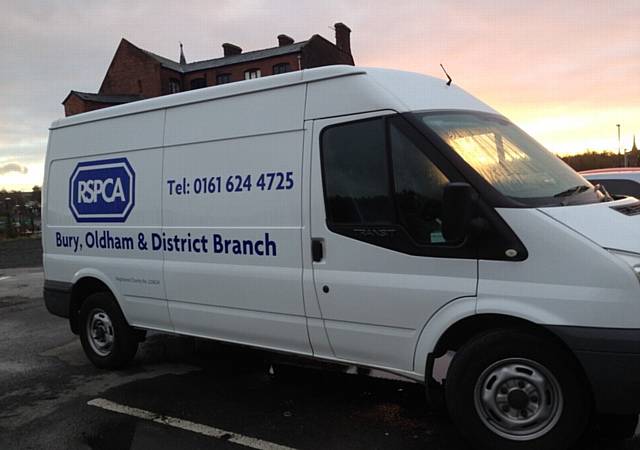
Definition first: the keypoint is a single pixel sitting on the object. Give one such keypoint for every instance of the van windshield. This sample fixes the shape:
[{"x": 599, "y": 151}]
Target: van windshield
[{"x": 510, "y": 160}]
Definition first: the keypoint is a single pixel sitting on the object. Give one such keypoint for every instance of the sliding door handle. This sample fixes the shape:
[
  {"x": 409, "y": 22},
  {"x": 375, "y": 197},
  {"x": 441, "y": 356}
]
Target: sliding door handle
[{"x": 317, "y": 249}]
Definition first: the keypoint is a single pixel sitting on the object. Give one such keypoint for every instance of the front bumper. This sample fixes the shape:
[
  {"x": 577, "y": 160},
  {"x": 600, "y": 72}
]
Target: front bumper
[
  {"x": 611, "y": 360},
  {"x": 57, "y": 297}
]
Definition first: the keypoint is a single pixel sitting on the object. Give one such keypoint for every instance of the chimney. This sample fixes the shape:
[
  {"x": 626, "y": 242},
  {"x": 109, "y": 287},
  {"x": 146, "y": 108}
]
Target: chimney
[
  {"x": 283, "y": 40},
  {"x": 343, "y": 39},
  {"x": 230, "y": 49}
]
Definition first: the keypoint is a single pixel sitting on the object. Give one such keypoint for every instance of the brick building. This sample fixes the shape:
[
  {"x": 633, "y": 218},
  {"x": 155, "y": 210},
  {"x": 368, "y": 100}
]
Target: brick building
[{"x": 136, "y": 74}]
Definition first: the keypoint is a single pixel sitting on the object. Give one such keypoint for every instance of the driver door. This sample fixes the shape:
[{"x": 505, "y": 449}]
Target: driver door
[{"x": 381, "y": 265}]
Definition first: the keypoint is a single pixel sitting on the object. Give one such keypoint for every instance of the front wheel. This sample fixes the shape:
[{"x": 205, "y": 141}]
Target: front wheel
[
  {"x": 511, "y": 390},
  {"x": 616, "y": 426},
  {"x": 107, "y": 339}
]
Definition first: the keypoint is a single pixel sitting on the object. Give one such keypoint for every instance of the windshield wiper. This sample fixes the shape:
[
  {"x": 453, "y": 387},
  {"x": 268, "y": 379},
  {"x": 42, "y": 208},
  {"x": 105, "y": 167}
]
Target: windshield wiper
[{"x": 572, "y": 191}]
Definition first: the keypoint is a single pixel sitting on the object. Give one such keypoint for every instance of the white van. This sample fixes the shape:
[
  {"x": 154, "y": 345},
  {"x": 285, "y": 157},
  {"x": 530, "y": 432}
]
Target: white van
[{"x": 364, "y": 216}]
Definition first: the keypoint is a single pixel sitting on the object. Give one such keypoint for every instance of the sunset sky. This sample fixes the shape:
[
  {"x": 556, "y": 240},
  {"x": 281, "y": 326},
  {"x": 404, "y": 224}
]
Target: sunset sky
[{"x": 566, "y": 71}]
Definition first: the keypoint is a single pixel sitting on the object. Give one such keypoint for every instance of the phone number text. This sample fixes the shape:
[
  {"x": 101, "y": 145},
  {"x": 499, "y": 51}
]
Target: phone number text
[{"x": 268, "y": 181}]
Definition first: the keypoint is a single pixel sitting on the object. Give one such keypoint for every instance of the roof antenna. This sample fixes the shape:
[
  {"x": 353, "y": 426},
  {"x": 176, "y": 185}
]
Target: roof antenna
[{"x": 445, "y": 72}]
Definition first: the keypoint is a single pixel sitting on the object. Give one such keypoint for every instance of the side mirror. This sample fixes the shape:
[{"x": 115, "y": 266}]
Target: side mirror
[{"x": 457, "y": 211}]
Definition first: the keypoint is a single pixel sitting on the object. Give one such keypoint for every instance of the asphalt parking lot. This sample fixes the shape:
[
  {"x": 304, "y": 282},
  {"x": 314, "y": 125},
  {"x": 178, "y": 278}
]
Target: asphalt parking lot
[{"x": 183, "y": 393}]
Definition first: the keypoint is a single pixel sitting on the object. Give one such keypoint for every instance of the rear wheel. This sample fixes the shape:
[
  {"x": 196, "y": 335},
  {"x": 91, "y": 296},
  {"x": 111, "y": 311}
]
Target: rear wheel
[
  {"x": 108, "y": 341},
  {"x": 513, "y": 390}
]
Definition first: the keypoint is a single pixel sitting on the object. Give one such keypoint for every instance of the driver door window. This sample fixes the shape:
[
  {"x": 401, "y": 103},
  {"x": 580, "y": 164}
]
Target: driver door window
[
  {"x": 419, "y": 187},
  {"x": 380, "y": 186}
]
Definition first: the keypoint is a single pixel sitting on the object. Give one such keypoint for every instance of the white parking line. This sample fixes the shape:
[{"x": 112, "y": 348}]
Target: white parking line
[
  {"x": 5, "y": 278},
  {"x": 187, "y": 425}
]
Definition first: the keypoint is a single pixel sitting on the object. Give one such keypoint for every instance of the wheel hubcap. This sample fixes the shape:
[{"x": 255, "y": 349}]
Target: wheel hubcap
[
  {"x": 518, "y": 399},
  {"x": 100, "y": 332}
]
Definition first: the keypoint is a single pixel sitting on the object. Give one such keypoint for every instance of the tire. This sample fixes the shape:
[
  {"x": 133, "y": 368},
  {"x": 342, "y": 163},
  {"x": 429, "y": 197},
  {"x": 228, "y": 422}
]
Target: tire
[
  {"x": 113, "y": 343},
  {"x": 512, "y": 390},
  {"x": 617, "y": 427}
]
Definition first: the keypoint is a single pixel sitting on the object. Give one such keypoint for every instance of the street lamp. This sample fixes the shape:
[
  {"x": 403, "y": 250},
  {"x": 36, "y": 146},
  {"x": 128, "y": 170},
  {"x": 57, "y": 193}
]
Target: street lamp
[
  {"x": 619, "y": 152},
  {"x": 626, "y": 157}
]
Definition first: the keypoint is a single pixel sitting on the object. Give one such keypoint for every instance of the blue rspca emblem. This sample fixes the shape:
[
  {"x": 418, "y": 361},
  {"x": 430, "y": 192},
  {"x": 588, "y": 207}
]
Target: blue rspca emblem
[{"x": 102, "y": 191}]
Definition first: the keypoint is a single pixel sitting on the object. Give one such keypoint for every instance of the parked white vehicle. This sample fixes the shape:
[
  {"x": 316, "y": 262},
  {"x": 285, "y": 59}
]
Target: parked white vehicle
[
  {"x": 617, "y": 180},
  {"x": 363, "y": 216}
]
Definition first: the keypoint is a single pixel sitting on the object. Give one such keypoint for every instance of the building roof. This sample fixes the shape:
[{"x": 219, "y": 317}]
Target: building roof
[
  {"x": 166, "y": 62},
  {"x": 228, "y": 60},
  {"x": 100, "y": 98}
]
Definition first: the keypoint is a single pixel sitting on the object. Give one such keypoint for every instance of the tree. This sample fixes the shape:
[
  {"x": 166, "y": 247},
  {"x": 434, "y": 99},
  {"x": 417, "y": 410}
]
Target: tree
[
  {"x": 36, "y": 194},
  {"x": 592, "y": 160},
  {"x": 18, "y": 197}
]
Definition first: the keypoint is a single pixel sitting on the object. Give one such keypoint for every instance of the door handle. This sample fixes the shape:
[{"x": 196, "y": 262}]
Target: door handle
[{"x": 317, "y": 249}]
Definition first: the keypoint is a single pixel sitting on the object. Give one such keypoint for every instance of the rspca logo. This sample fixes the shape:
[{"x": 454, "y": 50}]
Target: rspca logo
[{"x": 102, "y": 191}]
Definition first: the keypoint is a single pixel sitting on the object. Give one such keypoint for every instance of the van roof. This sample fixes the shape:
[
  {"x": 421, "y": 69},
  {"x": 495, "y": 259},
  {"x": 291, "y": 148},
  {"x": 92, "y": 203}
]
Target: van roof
[{"x": 405, "y": 87}]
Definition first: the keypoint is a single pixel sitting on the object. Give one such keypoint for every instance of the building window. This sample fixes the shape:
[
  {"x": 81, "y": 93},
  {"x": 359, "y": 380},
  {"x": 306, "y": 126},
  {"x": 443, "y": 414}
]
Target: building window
[
  {"x": 198, "y": 83},
  {"x": 223, "y": 78},
  {"x": 251, "y": 74},
  {"x": 174, "y": 85},
  {"x": 281, "y": 68}
]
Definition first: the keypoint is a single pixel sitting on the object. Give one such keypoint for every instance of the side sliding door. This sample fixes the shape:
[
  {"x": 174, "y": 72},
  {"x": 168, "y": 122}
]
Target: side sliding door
[{"x": 232, "y": 219}]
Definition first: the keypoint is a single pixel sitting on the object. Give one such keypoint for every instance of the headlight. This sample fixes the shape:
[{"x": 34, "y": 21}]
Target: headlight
[{"x": 633, "y": 259}]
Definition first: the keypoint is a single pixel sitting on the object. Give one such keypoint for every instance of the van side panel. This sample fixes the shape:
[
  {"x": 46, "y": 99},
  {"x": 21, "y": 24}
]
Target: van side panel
[
  {"x": 599, "y": 292},
  {"x": 238, "y": 162},
  {"x": 110, "y": 251},
  {"x": 119, "y": 134},
  {"x": 256, "y": 113}
]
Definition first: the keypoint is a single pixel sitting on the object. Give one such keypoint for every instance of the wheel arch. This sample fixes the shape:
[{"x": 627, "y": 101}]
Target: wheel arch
[
  {"x": 85, "y": 284},
  {"x": 466, "y": 328},
  {"x": 463, "y": 330}
]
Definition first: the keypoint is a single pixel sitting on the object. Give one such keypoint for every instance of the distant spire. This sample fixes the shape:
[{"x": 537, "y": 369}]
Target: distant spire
[
  {"x": 183, "y": 60},
  {"x": 634, "y": 148}
]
